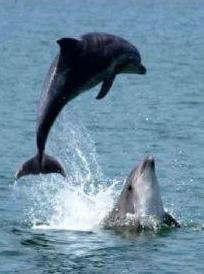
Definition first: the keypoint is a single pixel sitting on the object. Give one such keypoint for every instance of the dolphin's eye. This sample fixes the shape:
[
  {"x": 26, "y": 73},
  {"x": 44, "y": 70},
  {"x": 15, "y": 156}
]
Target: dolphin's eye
[
  {"x": 130, "y": 58},
  {"x": 130, "y": 188}
]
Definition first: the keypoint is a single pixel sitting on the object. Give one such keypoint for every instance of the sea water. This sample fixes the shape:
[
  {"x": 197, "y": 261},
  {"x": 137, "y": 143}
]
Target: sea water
[{"x": 52, "y": 225}]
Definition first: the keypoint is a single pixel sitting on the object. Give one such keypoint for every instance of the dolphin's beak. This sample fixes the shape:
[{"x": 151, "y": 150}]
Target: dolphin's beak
[
  {"x": 141, "y": 69},
  {"x": 149, "y": 162},
  {"x": 134, "y": 68}
]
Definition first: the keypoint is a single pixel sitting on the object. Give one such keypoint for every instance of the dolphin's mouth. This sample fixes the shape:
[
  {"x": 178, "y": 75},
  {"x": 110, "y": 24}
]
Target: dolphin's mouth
[{"x": 131, "y": 68}]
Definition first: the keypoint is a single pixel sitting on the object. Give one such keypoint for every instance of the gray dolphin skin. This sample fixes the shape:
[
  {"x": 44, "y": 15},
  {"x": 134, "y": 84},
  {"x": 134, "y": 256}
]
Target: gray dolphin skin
[
  {"x": 80, "y": 65},
  {"x": 141, "y": 197}
]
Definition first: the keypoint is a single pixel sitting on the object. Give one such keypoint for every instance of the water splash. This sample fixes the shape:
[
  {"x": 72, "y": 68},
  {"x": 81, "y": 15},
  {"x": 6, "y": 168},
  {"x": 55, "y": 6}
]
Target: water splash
[
  {"x": 84, "y": 198},
  {"x": 73, "y": 145},
  {"x": 75, "y": 210},
  {"x": 78, "y": 202}
]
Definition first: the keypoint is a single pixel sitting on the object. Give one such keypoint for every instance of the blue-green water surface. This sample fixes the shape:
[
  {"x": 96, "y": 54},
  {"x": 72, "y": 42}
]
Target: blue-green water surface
[{"x": 48, "y": 225}]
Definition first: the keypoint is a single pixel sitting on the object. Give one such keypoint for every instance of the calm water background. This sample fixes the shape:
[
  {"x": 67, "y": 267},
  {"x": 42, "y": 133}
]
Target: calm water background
[{"x": 46, "y": 227}]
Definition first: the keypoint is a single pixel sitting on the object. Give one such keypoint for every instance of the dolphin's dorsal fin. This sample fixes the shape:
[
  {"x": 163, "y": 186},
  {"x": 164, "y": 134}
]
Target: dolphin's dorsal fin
[
  {"x": 107, "y": 83},
  {"x": 69, "y": 47}
]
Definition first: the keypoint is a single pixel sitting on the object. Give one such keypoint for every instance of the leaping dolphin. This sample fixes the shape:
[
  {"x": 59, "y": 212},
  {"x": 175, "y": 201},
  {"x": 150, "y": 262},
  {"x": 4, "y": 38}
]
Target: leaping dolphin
[
  {"x": 80, "y": 65},
  {"x": 141, "y": 198}
]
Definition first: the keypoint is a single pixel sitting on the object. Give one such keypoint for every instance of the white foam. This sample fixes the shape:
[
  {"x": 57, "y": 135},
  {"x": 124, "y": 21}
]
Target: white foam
[
  {"x": 81, "y": 201},
  {"x": 75, "y": 210}
]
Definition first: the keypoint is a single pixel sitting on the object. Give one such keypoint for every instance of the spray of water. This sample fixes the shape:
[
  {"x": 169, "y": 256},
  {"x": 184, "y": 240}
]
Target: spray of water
[{"x": 84, "y": 198}]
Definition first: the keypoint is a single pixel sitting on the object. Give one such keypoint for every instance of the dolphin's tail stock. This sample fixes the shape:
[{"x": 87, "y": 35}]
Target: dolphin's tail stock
[{"x": 35, "y": 166}]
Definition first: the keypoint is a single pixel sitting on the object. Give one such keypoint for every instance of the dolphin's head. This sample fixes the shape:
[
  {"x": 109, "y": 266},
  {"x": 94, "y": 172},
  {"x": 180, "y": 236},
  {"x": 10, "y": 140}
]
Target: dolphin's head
[
  {"x": 131, "y": 63},
  {"x": 139, "y": 204},
  {"x": 141, "y": 195},
  {"x": 134, "y": 64}
]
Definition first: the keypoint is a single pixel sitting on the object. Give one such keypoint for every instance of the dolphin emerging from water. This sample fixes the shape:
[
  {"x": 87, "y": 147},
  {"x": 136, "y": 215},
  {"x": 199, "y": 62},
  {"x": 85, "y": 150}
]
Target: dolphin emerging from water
[
  {"x": 80, "y": 65},
  {"x": 140, "y": 198}
]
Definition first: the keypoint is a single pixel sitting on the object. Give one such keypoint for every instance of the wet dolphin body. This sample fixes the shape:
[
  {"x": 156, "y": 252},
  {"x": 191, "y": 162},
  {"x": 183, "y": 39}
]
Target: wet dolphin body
[
  {"x": 80, "y": 65},
  {"x": 140, "y": 197}
]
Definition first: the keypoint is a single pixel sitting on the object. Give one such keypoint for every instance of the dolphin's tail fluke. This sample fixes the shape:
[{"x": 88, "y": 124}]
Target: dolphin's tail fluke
[{"x": 34, "y": 166}]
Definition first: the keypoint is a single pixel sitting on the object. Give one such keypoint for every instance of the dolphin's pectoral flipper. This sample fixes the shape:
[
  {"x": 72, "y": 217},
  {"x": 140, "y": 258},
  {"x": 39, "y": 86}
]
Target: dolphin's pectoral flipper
[
  {"x": 170, "y": 221},
  {"x": 34, "y": 166},
  {"x": 107, "y": 83}
]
